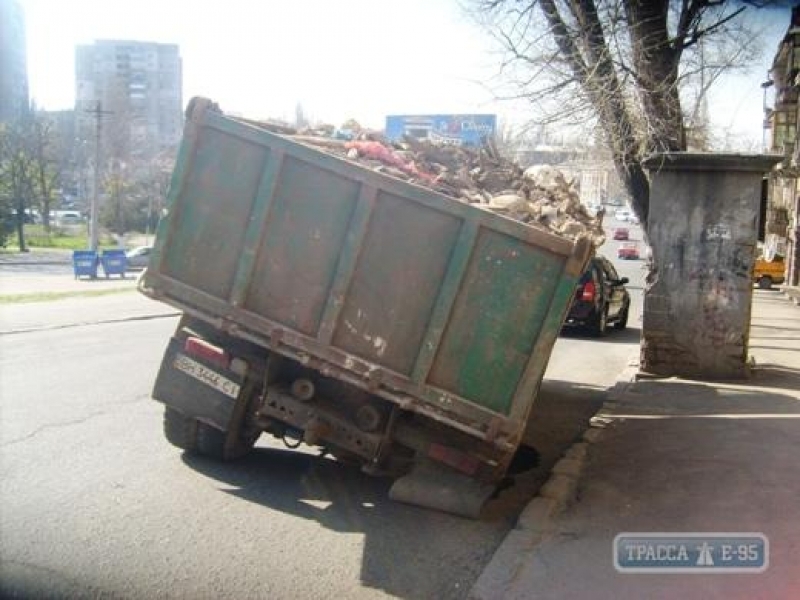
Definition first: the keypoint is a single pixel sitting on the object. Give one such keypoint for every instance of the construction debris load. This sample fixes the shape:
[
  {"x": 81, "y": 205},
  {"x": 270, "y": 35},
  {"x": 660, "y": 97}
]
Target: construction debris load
[{"x": 540, "y": 196}]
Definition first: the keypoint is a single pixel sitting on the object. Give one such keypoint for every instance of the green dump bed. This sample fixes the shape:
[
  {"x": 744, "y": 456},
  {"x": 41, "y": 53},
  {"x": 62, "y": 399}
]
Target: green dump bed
[{"x": 439, "y": 306}]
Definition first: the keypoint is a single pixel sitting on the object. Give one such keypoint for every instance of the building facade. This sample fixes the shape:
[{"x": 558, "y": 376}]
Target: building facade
[
  {"x": 782, "y": 227},
  {"x": 134, "y": 90},
  {"x": 13, "y": 61}
]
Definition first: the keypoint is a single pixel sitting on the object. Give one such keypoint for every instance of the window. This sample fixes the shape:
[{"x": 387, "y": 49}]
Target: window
[{"x": 610, "y": 271}]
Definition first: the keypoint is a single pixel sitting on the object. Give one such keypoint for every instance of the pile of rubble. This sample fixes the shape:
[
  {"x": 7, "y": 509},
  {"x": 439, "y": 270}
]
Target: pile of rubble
[{"x": 540, "y": 196}]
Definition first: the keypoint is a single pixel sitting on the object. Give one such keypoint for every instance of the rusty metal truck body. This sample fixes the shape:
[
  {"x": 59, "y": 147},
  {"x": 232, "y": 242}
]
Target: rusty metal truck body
[{"x": 326, "y": 303}]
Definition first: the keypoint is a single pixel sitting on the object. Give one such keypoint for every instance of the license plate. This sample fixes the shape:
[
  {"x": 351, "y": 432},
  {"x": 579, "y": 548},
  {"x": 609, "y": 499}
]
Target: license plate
[{"x": 205, "y": 375}]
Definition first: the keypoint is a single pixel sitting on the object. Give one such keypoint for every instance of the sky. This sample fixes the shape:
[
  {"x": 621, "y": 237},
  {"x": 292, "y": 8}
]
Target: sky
[{"x": 339, "y": 59}]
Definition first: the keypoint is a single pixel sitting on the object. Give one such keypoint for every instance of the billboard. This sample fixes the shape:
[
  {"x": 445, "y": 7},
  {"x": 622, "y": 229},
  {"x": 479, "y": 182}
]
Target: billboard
[{"x": 458, "y": 130}]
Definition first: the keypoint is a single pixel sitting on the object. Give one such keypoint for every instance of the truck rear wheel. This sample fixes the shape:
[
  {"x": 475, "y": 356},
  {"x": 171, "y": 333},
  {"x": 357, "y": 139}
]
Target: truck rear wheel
[
  {"x": 180, "y": 430},
  {"x": 197, "y": 437},
  {"x": 765, "y": 282}
]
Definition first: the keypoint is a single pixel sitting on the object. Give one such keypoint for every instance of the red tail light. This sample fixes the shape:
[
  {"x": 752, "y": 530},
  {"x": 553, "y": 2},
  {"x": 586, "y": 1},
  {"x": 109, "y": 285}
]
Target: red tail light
[
  {"x": 202, "y": 349},
  {"x": 588, "y": 292}
]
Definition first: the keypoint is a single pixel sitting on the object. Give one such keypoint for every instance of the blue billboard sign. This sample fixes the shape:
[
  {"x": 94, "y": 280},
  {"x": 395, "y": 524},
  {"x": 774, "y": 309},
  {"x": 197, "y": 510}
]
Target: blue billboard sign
[{"x": 458, "y": 130}]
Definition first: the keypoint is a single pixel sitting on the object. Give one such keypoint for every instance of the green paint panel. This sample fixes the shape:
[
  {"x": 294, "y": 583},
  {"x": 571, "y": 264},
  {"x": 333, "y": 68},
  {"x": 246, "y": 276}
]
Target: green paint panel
[
  {"x": 308, "y": 222},
  {"x": 504, "y": 301},
  {"x": 397, "y": 280},
  {"x": 449, "y": 300},
  {"x": 207, "y": 233}
]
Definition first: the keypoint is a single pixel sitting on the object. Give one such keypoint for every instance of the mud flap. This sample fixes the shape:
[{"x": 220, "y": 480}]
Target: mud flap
[
  {"x": 198, "y": 388},
  {"x": 434, "y": 486}
]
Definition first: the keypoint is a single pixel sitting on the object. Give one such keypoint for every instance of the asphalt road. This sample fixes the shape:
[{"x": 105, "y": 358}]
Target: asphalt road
[{"x": 94, "y": 502}]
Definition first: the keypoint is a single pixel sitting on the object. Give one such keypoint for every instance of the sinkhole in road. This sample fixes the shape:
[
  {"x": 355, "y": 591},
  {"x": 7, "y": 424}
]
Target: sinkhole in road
[{"x": 525, "y": 459}]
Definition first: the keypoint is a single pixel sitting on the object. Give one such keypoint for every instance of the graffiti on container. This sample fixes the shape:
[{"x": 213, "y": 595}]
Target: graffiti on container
[
  {"x": 717, "y": 303},
  {"x": 700, "y": 274},
  {"x": 736, "y": 264},
  {"x": 741, "y": 261},
  {"x": 719, "y": 231}
]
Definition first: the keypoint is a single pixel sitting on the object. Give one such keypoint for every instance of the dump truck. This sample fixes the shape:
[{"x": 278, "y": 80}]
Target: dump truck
[{"x": 383, "y": 323}]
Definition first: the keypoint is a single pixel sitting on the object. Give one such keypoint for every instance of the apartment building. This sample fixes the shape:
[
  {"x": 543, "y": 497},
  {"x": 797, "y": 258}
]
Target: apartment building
[
  {"x": 13, "y": 63},
  {"x": 137, "y": 89},
  {"x": 782, "y": 227}
]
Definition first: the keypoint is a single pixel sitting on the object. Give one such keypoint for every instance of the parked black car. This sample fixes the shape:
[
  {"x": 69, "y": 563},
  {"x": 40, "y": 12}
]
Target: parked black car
[{"x": 600, "y": 299}]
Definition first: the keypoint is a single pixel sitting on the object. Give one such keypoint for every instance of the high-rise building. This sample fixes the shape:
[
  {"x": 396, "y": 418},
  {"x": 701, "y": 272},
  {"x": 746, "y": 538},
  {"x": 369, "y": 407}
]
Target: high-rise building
[
  {"x": 138, "y": 86},
  {"x": 13, "y": 63}
]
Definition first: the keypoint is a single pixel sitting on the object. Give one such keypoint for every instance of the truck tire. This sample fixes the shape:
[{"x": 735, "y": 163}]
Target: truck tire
[
  {"x": 180, "y": 430},
  {"x": 210, "y": 442},
  {"x": 765, "y": 282},
  {"x": 196, "y": 437},
  {"x": 224, "y": 445}
]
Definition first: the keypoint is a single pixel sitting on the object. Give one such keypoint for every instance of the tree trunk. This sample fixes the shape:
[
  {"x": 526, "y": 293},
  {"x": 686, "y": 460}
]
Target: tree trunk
[
  {"x": 20, "y": 223},
  {"x": 602, "y": 87},
  {"x": 655, "y": 62},
  {"x": 637, "y": 184}
]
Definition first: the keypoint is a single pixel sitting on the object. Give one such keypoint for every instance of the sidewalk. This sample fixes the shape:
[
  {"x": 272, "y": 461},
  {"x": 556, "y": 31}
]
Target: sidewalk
[
  {"x": 37, "y": 256},
  {"x": 45, "y": 271},
  {"x": 675, "y": 456},
  {"x": 42, "y": 276},
  {"x": 59, "y": 280}
]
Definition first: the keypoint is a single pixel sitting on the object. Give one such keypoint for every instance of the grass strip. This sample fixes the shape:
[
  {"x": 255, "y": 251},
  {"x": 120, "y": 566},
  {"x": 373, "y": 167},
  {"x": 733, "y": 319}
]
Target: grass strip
[{"x": 51, "y": 296}]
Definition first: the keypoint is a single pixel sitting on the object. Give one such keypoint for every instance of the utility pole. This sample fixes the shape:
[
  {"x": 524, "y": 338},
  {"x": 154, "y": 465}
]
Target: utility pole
[{"x": 98, "y": 113}]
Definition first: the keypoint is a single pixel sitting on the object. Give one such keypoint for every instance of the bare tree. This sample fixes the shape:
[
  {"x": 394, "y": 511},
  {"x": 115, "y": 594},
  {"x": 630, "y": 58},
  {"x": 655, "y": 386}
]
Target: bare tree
[
  {"x": 46, "y": 154},
  {"x": 619, "y": 65},
  {"x": 17, "y": 172}
]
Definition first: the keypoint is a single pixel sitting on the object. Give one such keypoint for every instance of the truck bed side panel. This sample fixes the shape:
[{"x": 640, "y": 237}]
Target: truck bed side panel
[
  {"x": 396, "y": 282},
  {"x": 209, "y": 237},
  {"x": 305, "y": 232},
  {"x": 496, "y": 320},
  {"x": 446, "y": 309}
]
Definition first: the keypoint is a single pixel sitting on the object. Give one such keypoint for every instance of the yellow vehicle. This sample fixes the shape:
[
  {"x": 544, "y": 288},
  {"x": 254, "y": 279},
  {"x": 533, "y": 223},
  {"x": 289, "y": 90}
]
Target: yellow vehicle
[{"x": 767, "y": 272}]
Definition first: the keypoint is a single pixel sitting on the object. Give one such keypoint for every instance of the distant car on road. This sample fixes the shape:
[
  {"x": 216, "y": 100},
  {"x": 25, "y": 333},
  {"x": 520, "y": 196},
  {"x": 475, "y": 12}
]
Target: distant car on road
[
  {"x": 66, "y": 217},
  {"x": 623, "y": 214},
  {"x": 628, "y": 251},
  {"x": 621, "y": 233},
  {"x": 600, "y": 299},
  {"x": 138, "y": 258},
  {"x": 767, "y": 272}
]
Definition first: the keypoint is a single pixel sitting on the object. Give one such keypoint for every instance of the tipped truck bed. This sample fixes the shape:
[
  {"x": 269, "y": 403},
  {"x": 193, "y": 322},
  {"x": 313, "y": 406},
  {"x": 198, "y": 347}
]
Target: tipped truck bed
[{"x": 439, "y": 307}]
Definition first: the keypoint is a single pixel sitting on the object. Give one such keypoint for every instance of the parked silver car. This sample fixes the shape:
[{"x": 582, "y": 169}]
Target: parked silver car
[{"x": 138, "y": 258}]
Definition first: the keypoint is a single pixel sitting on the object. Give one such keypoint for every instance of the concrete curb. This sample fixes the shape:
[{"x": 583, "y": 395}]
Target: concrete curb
[
  {"x": 146, "y": 317},
  {"x": 54, "y": 295},
  {"x": 536, "y": 523},
  {"x": 792, "y": 293},
  {"x": 32, "y": 263},
  {"x": 44, "y": 257}
]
